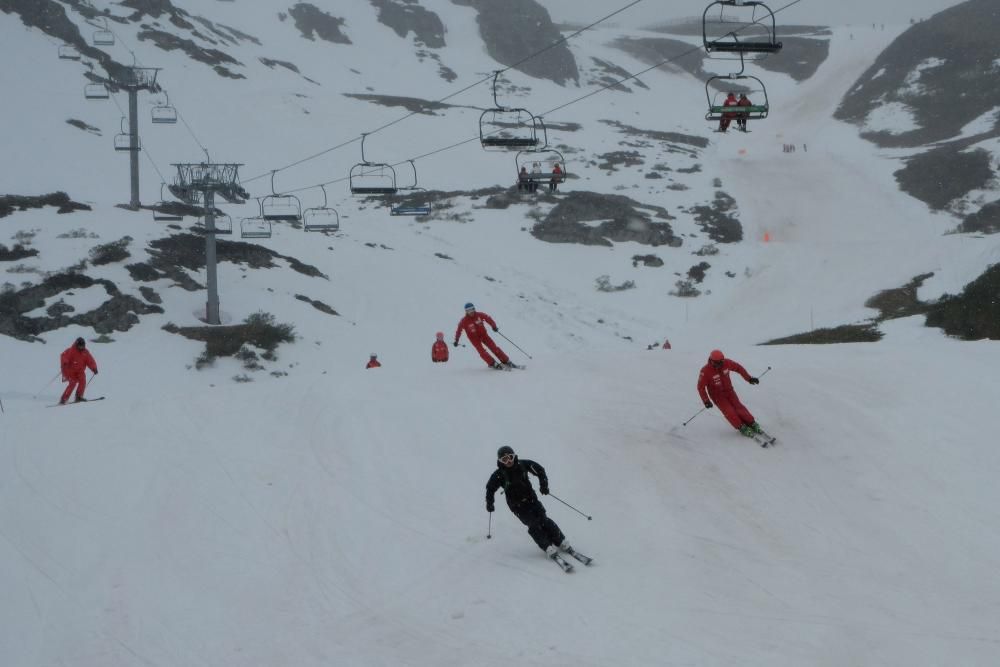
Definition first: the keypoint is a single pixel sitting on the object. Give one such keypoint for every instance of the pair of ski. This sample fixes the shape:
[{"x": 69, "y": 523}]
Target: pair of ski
[
  {"x": 566, "y": 566},
  {"x": 764, "y": 439},
  {"x": 504, "y": 367},
  {"x": 88, "y": 400}
]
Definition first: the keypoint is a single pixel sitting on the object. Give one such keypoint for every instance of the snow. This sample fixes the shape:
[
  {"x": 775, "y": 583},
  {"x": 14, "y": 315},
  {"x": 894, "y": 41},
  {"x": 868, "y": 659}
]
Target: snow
[
  {"x": 891, "y": 117},
  {"x": 335, "y": 515}
]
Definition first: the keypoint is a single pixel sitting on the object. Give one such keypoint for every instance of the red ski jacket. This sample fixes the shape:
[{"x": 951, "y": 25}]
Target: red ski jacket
[
  {"x": 474, "y": 326},
  {"x": 716, "y": 380},
  {"x": 73, "y": 361},
  {"x": 439, "y": 351},
  {"x": 373, "y": 363}
]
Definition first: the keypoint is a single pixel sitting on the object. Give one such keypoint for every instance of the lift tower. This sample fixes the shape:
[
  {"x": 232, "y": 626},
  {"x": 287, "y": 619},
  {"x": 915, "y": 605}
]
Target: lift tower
[
  {"x": 198, "y": 183},
  {"x": 133, "y": 79}
]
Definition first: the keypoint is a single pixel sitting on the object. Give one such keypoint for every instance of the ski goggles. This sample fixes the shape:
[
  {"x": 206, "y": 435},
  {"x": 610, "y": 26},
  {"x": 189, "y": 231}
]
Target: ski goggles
[{"x": 507, "y": 459}]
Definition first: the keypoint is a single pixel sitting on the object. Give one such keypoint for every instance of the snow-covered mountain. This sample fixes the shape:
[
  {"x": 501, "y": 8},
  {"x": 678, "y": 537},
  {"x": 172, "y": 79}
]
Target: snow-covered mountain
[{"x": 243, "y": 498}]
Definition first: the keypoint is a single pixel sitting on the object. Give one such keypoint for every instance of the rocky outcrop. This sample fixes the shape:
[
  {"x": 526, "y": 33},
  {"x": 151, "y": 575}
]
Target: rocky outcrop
[
  {"x": 515, "y": 29},
  {"x": 406, "y": 17},
  {"x": 622, "y": 219}
]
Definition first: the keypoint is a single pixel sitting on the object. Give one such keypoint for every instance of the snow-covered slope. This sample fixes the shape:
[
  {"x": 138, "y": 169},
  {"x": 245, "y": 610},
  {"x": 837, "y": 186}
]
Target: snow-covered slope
[{"x": 334, "y": 515}]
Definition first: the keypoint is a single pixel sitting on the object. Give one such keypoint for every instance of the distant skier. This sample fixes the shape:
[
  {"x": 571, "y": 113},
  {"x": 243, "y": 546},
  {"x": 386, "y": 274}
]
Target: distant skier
[
  {"x": 714, "y": 382},
  {"x": 474, "y": 325},
  {"x": 743, "y": 116},
  {"x": 373, "y": 362},
  {"x": 727, "y": 117},
  {"x": 74, "y": 362},
  {"x": 439, "y": 350},
  {"x": 512, "y": 475}
]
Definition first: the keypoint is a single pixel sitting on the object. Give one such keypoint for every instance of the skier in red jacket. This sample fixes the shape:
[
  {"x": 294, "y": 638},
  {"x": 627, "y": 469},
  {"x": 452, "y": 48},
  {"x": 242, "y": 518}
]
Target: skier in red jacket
[
  {"x": 728, "y": 116},
  {"x": 74, "y": 362},
  {"x": 714, "y": 382},
  {"x": 439, "y": 350},
  {"x": 373, "y": 362},
  {"x": 474, "y": 325}
]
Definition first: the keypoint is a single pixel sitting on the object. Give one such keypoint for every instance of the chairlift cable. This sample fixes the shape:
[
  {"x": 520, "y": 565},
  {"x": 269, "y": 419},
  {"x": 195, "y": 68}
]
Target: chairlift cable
[
  {"x": 562, "y": 106},
  {"x": 554, "y": 44}
]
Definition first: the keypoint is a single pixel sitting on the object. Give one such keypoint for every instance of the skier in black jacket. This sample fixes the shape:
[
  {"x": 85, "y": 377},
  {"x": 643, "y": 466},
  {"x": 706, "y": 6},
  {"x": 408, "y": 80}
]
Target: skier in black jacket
[{"x": 512, "y": 475}]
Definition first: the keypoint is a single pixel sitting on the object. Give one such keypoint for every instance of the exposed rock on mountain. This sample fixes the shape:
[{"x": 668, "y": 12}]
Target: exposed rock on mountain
[
  {"x": 515, "y": 29},
  {"x": 942, "y": 70},
  {"x": 407, "y": 16},
  {"x": 311, "y": 20},
  {"x": 623, "y": 219}
]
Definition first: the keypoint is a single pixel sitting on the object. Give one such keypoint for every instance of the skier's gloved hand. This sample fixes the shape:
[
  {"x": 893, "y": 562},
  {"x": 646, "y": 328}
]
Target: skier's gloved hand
[
  {"x": 495, "y": 329},
  {"x": 455, "y": 343},
  {"x": 754, "y": 381},
  {"x": 544, "y": 490},
  {"x": 489, "y": 507},
  {"x": 708, "y": 404}
]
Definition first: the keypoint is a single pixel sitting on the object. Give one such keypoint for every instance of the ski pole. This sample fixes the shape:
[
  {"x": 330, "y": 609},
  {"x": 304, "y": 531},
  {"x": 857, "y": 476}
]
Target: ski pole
[
  {"x": 764, "y": 373},
  {"x": 589, "y": 518},
  {"x": 489, "y": 530},
  {"x": 2, "y": 411},
  {"x": 48, "y": 383},
  {"x": 90, "y": 382},
  {"x": 514, "y": 344},
  {"x": 695, "y": 415}
]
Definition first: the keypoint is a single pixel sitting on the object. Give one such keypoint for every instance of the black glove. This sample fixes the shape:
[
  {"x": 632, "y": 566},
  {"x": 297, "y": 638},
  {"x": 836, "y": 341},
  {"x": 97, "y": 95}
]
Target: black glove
[
  {"x": 708, "y": 404},
  {"x": 489, "y": 507},
  {"x": 495, "y": 329},
  {"x": 544, "y": 490},
  {"x": 455, "y": 343},
  {"x": 754, "y": 381}
]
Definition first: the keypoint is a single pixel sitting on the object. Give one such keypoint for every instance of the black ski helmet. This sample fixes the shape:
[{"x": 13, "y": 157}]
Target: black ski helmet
[
  {"x": 504, "y": 451},
  {"x": 80, "y": 342}
]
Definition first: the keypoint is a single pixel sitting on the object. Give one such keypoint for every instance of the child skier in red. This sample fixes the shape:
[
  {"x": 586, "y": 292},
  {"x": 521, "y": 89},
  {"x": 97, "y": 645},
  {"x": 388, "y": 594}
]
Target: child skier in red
[
  {"x": 373, "y": 362},
  {"x": 439, "y": 350}
]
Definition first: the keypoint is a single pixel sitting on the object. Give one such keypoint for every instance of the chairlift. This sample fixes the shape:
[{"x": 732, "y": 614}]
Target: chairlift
[
  {"x": 544, "y": 165},
  {"x": 96, "y": 91},
  {"x": 223, "y": 224},
  {"x": 741, "y": 31},
  {"x": 164, "y": 113},
  {"x": 403, "y": 207},
  {"x": 160, "y": 212},
  {"x": 104, "y": 37},
  {"x": 257, "y": 227},
  {"x": 321, "y": 218},
  {"x": 284, "y": 208},
  {"x": 736, "y": 83},
  {"x": 509, "y": 129},
  {"x": 123, "y": 140},
  {"x": 68, "y": 52},
  {"x": 372, "y": 178}
]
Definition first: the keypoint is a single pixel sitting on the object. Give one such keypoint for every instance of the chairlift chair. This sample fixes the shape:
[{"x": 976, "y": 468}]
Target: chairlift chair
[
  {"x": 223, "y": 224},
  {"x": 123, "y": 140},
  {"x": 255, "y": 228},
  {"x": 401, "y": 208},
  {"x": 736, "y": 83},
  {"x": 104, "y": 37},
  {"x": 372, "y": 178},
  {"x": 742, "y": 31},
  {"x": 159, "y": 214},
  {"x": 164, "y": 113},
  {"x": 321, "y": 218},
  {"x": 283, "y": 208},
  {"x": 68, "y": 52},
  {"x": 539, "y": 166},
  {"x": 96, "y": 91},
  {"x": 509, "y": 129}
]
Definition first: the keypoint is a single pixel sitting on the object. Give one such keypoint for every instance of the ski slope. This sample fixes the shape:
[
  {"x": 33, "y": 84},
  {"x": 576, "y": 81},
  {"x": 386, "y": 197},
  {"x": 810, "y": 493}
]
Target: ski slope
[{"x": 336, "y": 515}]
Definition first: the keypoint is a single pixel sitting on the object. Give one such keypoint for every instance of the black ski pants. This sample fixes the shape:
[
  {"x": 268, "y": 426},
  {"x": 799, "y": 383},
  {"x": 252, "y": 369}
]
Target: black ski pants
[{"x": 542, "y": 529}]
